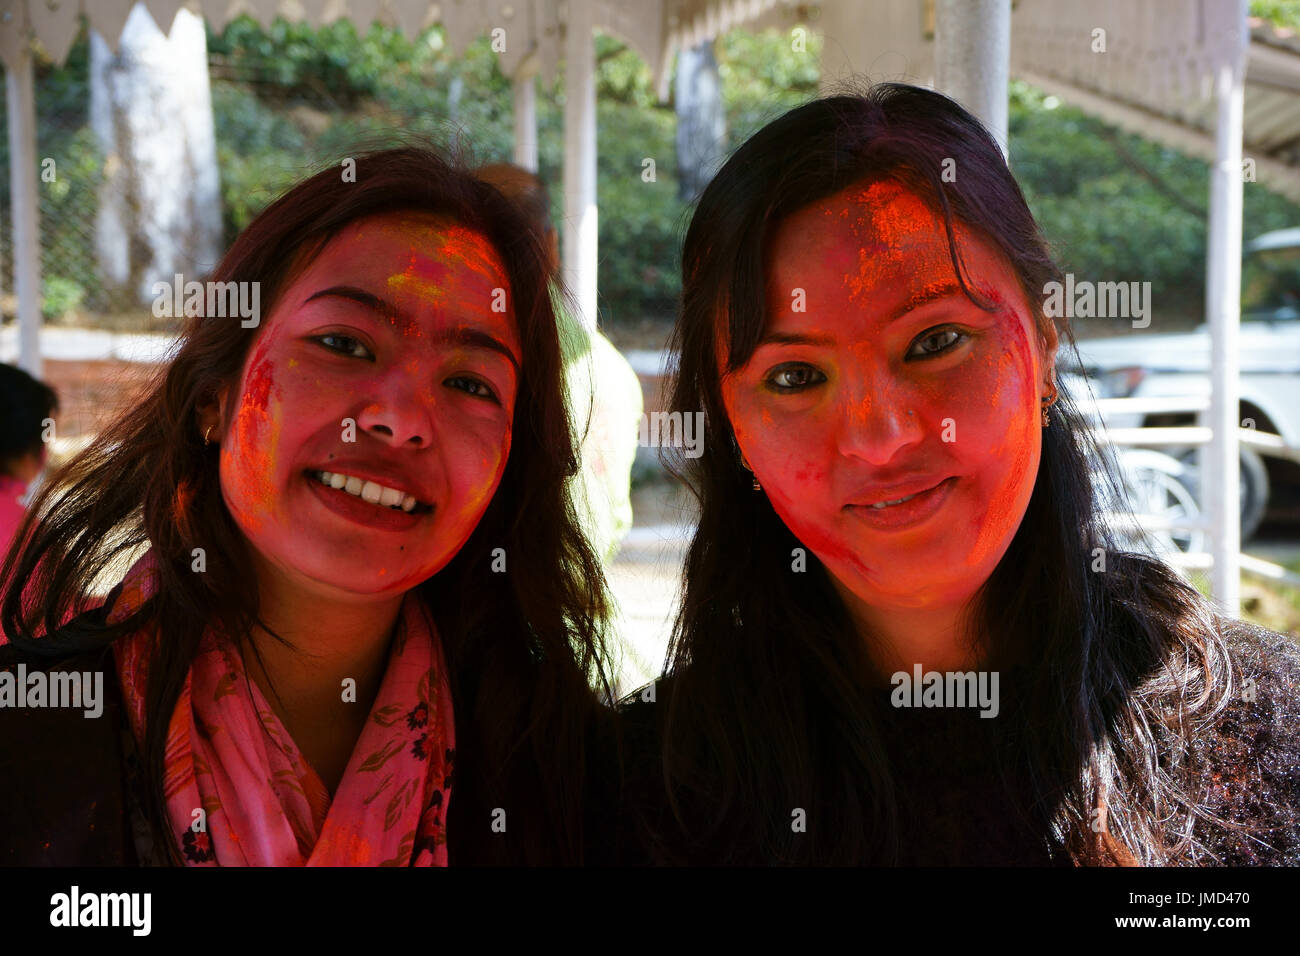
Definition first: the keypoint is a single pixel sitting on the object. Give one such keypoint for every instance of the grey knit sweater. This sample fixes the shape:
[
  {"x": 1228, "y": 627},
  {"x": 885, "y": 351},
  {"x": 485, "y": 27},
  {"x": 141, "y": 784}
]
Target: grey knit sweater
[{"x": 953, "y": 810}]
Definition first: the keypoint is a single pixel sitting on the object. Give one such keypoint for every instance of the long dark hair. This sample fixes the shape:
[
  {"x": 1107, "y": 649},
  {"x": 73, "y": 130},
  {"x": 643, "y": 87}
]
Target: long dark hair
[
  {"x": 765, "y": 708},
  {"x": 524, "y": 647}
]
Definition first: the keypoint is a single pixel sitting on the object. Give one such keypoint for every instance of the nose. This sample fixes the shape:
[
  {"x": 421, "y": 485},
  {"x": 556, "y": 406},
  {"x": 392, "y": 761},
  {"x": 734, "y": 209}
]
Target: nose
[
  {"x": 877, "y": 423},
  {"x": 400, "y": 411}
]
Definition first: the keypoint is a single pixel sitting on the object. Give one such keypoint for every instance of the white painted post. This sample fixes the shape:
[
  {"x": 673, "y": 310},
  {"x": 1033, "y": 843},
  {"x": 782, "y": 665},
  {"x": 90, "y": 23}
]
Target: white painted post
[
  {"x": 525, "y": 87},
  {"x": 972, "y": 58},
  {"x": 20, "y": 98},
  {"x": 580, "y": 160},
  {"x": 1223, "y": 305}
]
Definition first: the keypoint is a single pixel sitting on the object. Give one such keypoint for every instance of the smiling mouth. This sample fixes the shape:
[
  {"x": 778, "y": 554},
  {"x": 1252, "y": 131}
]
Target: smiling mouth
[
  {"x": 371, "y": 492},
  {"x": 894, "y": 502}
]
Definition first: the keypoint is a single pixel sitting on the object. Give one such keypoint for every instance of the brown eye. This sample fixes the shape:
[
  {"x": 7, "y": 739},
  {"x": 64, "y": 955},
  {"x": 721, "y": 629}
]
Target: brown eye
[
  {"x": 794, "y": 377},
  {"x": 935, "y": 342},
  {"x": 347, "y": 345},
  {"x": 472, "y": 386}
]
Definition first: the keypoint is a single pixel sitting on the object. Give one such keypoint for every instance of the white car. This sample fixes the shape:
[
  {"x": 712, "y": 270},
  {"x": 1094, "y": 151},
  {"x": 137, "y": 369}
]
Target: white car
[{"x": 1178, "y": 365}]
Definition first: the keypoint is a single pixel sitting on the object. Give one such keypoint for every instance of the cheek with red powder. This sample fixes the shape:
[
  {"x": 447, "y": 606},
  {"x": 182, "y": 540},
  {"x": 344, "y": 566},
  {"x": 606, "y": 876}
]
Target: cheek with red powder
[
  {"x": 794, "y": 465},
  {"x": 250, "y": 453},
  {"x": 1009, "y": 445}
]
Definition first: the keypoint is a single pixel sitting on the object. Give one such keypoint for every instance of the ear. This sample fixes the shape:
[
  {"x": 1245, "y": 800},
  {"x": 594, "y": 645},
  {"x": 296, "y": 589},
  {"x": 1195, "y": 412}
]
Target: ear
[{"x": 210, "y": 414}]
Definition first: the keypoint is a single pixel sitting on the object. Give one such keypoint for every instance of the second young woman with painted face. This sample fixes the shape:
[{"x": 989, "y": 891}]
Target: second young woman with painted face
[
  {"x": 893, "y": 488},
  {"x": 365, "y": 624}
]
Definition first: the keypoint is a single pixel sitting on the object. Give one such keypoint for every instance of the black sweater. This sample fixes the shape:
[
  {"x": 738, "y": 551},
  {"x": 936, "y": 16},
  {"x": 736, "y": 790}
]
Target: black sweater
[
  {"x": 72, "y": 790},
  {"x": 70, "y": 787},
  {"x": 954, "y": 810}
]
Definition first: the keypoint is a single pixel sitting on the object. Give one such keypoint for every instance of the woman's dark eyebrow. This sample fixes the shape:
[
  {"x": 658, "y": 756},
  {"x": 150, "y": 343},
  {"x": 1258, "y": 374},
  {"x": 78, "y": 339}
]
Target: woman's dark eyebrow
[
  {"x": 794, "y": 338},
  {"x": 460, "y": 335},
  {"x": 921, "y": 297},
  {"x": 925, "y": 296}
]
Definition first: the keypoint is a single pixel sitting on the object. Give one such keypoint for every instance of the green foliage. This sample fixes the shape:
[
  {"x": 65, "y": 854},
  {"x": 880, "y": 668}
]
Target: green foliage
[
  {"x": 259, "y": 153},
  {"x": 640, "y": 248},
  {"x": 332, "y": 66},
  {"x": 1121, "y": 208},
  {"x": 68, "y": 202},
  {"x": 1283, "y": 13},
  {"x": 763, "y": 77},
  {"x": 60, "y": 295},
  {"x": 288, "y": 99},
  {"x": 622, "y": 76}
]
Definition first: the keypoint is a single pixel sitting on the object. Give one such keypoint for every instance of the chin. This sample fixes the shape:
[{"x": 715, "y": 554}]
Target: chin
[
  {"x": 335, "y": 583},
  {"x": 918, "y": 589}
]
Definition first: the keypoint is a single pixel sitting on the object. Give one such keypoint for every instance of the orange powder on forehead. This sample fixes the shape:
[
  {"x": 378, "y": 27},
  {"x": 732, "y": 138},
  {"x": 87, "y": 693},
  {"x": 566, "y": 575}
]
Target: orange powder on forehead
[{"x": 894, "y": 230}]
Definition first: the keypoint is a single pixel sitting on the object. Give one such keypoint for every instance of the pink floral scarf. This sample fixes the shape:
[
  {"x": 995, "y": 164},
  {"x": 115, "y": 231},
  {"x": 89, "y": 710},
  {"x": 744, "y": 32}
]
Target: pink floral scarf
[{"x": 261, "y": 804}]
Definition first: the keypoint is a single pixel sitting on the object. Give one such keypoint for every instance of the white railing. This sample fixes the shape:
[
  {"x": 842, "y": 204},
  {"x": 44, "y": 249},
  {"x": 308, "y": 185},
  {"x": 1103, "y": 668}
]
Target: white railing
[{"x": 1198, "y": 435}]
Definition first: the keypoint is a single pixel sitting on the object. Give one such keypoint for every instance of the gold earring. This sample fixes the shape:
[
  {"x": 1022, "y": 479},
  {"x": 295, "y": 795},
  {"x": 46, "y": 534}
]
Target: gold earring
[
  {"x": 1048, "y": 402},
  {"x": 206, "y": 439},
  {"x": 744, "y": 464}
]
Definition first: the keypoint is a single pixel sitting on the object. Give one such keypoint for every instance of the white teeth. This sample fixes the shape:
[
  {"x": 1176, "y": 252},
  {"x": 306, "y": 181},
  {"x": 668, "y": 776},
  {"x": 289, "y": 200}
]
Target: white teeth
[
  {"x": 370, "y": 491},
  {"x": 897, "y": 501}
]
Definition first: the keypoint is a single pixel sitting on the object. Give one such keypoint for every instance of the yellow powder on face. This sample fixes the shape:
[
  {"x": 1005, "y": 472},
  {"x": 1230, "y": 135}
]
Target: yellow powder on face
[{"x": 438, "y": 277}]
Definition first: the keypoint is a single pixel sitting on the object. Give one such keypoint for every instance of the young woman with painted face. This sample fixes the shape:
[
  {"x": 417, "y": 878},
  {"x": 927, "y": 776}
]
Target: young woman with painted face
[
  {"x": 362, "y": 629},
  {"x": 893, "y": 487}
]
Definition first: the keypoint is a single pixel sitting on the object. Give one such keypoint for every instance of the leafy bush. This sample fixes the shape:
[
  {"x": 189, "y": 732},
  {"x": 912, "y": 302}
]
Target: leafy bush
[{"x": 60, "y": 296}]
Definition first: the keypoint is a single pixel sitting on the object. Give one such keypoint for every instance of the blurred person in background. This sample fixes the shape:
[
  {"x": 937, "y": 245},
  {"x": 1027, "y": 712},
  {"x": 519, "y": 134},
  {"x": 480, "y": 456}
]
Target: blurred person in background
[
  {"x": 28, "y": 405},
  {"x": 605, "y": 400}
]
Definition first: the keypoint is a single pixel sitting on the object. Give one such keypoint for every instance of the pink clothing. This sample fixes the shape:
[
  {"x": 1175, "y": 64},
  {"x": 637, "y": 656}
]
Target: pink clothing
[
  {"x": 11, "y": 512},
  {"x": 261, "y": 803}
]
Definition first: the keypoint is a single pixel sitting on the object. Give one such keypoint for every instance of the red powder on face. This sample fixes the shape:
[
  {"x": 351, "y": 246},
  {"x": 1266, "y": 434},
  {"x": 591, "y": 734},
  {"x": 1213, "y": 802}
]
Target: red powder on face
[
  {"x": 879, "y": 277},
  {"x": 397, "y": 399},
  {"x": 424, "y": 278},
  {"x": 254, "y": 441}
]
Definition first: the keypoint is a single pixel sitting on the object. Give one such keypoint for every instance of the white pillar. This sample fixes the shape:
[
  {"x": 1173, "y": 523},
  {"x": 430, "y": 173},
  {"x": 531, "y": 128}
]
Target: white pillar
[
  {"x": 580, "y": 160},
  {"x": 21, "y": 100},
  {"x": 1223, "y": 305},
  {"x": 525, "y": 87},
  {"x": 972, "y": 58}
]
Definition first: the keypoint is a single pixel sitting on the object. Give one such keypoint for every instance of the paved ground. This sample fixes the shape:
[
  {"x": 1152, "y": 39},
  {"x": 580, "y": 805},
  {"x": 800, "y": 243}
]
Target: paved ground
[{"x": 644, "y": 579}]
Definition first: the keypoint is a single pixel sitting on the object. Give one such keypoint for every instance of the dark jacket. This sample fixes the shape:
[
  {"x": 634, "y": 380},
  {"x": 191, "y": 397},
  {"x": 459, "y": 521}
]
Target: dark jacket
[
  {"x": 71, "y": 787},
  {"x": 954, "y": 811}
]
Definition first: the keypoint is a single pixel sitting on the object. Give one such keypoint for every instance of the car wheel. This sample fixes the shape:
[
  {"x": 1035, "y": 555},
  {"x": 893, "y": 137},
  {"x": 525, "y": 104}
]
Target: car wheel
[{"x": 1254, "y": 487}]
